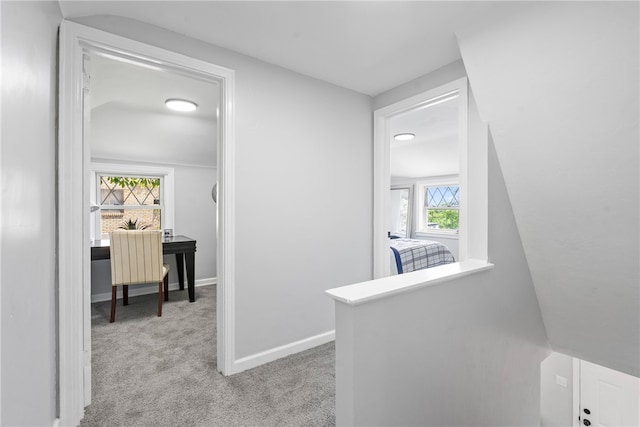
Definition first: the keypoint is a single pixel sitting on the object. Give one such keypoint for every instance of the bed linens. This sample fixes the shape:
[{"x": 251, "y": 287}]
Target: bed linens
[{"x": 411, "y": 255}]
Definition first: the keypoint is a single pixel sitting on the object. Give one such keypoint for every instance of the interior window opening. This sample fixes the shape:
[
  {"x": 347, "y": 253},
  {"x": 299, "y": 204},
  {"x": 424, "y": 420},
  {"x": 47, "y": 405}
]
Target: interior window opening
[
  {"x": 424, "y": 196},
  {"x": 430, "y": 181},
  {"x": 440, "y": 208}
]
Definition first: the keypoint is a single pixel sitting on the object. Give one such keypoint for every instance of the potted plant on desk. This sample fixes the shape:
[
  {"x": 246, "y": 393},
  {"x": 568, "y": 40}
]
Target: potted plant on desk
[{"x": 133, "y": 224}]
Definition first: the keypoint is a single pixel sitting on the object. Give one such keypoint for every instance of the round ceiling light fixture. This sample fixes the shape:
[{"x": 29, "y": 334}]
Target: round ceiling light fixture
[
  {"x": 180, "y": 104},
  {"x": 404, "y": 136}
]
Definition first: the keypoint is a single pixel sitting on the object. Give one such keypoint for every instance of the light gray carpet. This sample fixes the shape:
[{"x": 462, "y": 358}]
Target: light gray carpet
[{"x": 161, "y": 371}]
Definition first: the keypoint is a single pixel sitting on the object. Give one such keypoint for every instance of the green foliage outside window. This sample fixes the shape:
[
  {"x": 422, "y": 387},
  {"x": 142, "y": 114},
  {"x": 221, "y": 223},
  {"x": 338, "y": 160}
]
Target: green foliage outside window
[
  {"x": 126, "y": 181},
  {"x": 439, "y": 201},
  {"x": 446, "y": 219}
]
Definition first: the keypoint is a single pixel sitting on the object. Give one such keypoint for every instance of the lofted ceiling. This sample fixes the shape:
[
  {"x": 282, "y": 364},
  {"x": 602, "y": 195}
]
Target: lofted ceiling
[
  {"x": 434, "y": 150},
  {"x": 130, "y": 121},
  {"x": 563, "y": 109},
  {"x": 368, "y": 47},
  {"x": 147, "y": 87}
]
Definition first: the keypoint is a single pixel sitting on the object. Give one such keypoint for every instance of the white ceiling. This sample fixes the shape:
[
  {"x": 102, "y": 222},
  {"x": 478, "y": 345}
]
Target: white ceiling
[
  {"x": 434, "y": 150},
  {"x": 369, "y": 47},
  {"x": 130, "y": 122},
  {"x": 146, "y": 88}
]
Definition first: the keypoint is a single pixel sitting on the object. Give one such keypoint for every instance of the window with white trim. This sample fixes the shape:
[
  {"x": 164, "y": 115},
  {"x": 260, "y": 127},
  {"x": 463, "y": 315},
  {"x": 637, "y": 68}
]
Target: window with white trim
[
  {"x": 131, "y": 202},
  {"x": 132, "y": 197}
]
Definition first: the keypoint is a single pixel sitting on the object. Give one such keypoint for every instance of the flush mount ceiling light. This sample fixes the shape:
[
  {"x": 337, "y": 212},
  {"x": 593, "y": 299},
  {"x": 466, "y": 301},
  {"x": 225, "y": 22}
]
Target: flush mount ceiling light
[
  {"x": 180, "y": 104},
  {"x": 404, "y": 136}
]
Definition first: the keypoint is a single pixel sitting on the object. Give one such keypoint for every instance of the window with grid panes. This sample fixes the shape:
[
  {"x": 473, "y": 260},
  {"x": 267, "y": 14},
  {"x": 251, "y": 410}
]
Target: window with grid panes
[
  {"x": 439, "y": 211},
  {"x": 125, "y": 199}
]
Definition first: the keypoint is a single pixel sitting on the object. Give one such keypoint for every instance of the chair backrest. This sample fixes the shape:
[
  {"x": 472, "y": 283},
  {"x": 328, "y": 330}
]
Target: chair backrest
[{"x": 136, "y": 256}]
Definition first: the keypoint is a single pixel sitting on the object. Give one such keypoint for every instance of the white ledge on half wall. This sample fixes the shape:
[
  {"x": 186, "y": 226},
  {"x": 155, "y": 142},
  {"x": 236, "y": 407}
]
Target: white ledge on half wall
[{"x": 372, "y": 290}]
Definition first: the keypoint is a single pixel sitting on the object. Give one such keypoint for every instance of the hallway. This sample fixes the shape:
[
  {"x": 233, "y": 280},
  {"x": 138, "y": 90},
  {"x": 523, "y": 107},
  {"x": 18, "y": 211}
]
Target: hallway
[{"x": 162, "y": 372}]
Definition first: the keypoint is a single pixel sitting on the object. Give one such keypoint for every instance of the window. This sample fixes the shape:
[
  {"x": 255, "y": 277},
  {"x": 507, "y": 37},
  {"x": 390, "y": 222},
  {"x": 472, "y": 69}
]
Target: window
[
  {"x": 439, "y": 208},
  {"x": 130, "y": 196},
  {"x": 130, "y": 201}
]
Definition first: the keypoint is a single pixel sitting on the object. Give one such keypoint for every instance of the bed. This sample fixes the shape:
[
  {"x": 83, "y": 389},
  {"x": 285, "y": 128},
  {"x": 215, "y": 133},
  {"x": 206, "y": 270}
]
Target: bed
[{"x": 410, "y": 255}]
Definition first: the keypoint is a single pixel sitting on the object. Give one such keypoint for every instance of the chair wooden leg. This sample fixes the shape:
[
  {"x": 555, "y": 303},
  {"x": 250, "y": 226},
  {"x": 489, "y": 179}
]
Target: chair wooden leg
[
  {"x": 114, "y": 289},
  {"x": 166, "y": 287},
  {"x": 125, "y": 294},
  {"x": 159, "y": 299}
]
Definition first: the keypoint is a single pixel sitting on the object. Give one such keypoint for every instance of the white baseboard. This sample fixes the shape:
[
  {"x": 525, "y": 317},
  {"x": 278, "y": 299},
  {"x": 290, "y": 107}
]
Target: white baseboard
[
  {"x": 279, "y": 352},
  {"x": 56, "y": 422},
  {"x": 135, "y": 291}
]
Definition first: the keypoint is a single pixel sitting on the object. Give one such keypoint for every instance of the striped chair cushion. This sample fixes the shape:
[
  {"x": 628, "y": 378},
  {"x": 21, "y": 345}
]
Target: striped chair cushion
[{"x": 136, "y": 257}]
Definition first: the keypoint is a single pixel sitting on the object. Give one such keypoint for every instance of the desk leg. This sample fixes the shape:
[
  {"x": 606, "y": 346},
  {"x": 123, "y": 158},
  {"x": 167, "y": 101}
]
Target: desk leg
[
  {"x": 191, "y": 277},
  {"x": 180, "y": 267}
]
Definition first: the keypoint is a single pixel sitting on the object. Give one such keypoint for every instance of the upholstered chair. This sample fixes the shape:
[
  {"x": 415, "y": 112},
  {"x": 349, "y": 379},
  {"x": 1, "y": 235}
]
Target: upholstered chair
[{"x": 136, "y": 258}]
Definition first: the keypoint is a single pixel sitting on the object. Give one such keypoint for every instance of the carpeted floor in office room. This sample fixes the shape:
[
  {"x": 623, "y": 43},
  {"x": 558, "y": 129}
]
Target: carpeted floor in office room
[{"x": 151, "y": 371}]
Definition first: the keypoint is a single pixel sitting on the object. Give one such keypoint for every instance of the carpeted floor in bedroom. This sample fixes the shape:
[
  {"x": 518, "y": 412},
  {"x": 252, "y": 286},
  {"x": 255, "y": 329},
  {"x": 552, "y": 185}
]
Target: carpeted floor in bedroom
[{"x": 161, "y": 371}]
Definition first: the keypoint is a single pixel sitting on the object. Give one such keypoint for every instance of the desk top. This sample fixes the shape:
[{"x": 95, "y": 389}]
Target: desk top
[
  {"x": 101, "y": 243},
  {"x": 170, "y": 245}
]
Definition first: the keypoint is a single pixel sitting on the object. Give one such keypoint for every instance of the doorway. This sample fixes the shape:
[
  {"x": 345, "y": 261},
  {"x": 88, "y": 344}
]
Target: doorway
[
  {"x": 607, "y": 397},
  {"x": 77, "y": 42},
  {"x": 575, "y": 392},
  {"x": 400, "y": 211}
]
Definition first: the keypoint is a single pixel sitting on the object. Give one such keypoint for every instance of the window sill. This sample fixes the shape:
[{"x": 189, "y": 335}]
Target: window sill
[
  {"x": 372, "y": 290},
  {"x": 436, "y": 235}
]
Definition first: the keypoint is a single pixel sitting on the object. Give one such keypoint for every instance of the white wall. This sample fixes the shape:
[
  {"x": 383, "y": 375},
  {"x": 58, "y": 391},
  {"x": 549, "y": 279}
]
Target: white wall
[
  {"x": 124, "y": 133},
  {"x": 556, "y": 401},
  {"x": 303, "y": 191},
  {"x": 439, "y": 77},
  {"x": 28, "y": 233},
  {"x": 558, "y": 84},
  {"x": 462, "y": 352}
]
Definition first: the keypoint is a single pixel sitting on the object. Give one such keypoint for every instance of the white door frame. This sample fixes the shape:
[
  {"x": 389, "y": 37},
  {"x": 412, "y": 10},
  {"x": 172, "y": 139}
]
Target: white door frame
[
  {"x": 381, "y": 173},
  {"x": 73, "y": 202},
  {"x": 575, "y": 411},
  {"x": 410, "y": 207}
]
